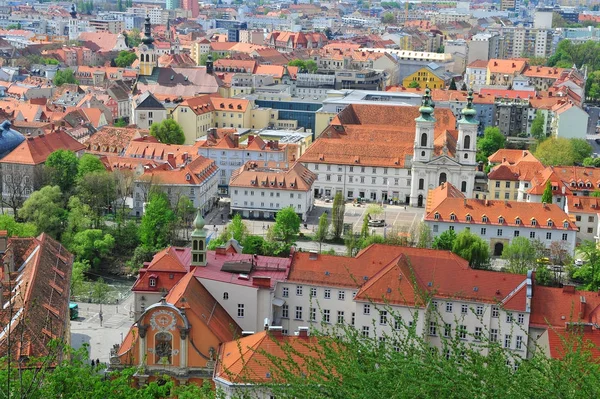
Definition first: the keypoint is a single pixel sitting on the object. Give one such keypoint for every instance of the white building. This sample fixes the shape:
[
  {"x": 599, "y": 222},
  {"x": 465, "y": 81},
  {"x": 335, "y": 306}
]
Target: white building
[
  {"x": 585, "y": 210},
  {"x": 498, "y": 222},
  {"x": 260, "y": 190},
  {"x": 476, "y": 73},
  {"x": 147, "y": 109}
]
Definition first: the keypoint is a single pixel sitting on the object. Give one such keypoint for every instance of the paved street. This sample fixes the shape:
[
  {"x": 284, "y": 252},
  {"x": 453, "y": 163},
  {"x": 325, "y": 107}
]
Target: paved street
[
  {"x": 594, "y": 113},
  {"x": 116, "y": 321}
]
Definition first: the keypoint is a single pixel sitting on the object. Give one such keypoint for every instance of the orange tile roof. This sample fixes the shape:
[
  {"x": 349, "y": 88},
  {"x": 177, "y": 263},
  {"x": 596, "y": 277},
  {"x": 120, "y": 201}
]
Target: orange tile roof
[
  {"x": 557, "y": 306},
  {"x": 581, "y": 204},
  {"x": 578, "y": 178},
  {"x": 194, "y": 173},
  {"x": 562, "y": 341},
  {"x": 230, "y": 104},
  {"x": 478, "y": 64},
  {"x": 113, "y": 140},
  {"x": 507, "y": 155},
  {"x": 498, "y": 213},
  {"x": 251, "y": 174},
  {"x": 150, "y": 149},
  {"x": 543, "y": 72},
  {"x": 35, "y": 149},
  {"x": 506, "y": 66}
]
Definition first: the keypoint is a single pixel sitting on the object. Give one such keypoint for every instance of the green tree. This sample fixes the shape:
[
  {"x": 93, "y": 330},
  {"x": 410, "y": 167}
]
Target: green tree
[
  {"x": 464, "y": 86},
  {"x": 64, "y": 76},
  {"x": 120, "y": 123},
  {"x": 92, "y": 245},
  {"x": 125, "y": 59},
  {"x": 132, "y": 38},
  {"x": 215, "y": 57},
  {"x": 120, "y": 5},
  {"x": 537, "y": 126},
  {"x": 236, "y": 229},
  {"x": 100, "y": 291},
  {"x": 79, "y": 284},
  {"x": 364, "y": 231},
  {"x": 127, "y": 238},
  {"x": 472, "y": 248},
  {"x": 168, "y": 132},
  {"x": 322, "y": 230},
  {"x": 547, "y": 195},
  {"x": 44, "y": 208},
  {"x": 79, "y": 218},
  {"x": 520, "y": 255},
  {"x": 556, "y": 151},
  {"x": 445, "y": 240},
  {"x": 589, "y": 272},
  {"x": 337, "y": 215},
  {"x": 373, "y": 210},
  {"x": 62, "y": 168},
  {"x": 492, "y": 141},
  {"x": 452, "y": 85},
  {"x": 388, "y": 18},
  {"x": 424, "y": 236},
  {"x": 581, "y": 149},
  {"x": 414, "y": 85},
  {"x": 89, "y": 163},
  {"x": 156, "y": 222},
  {"x": 98, "y": 190},
  {"x": 589, "y": 161},
  {"x": 304, "y": 65},
  {"x": 254, "y": 245},
  {"x": 16, "y": 229},
  {"x": 140, "y": 255},
  {"x": 287, "y": 224},
  {"x": 185, "y": 213}
]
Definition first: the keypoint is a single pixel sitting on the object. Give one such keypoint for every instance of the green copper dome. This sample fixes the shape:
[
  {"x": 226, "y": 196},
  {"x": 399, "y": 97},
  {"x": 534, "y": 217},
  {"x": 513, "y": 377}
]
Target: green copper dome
[
  {"x": 199, "y": 221},
  {"x": 468, "y": 113},
  {"x": 426, "y": 108}
]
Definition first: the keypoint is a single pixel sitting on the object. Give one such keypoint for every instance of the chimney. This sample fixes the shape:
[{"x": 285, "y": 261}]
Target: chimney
[
  {"x": 581, "y": 307},
  {"x": 464, "y": 201},
  {"x": 275, "y": 144},
  {"x": 487, "y": 202},
  {"x": 276, "y": 331},
  {"x": 3, "y": 241},
  {"x": 171, "y": 160},
  {"x": 303, "y": 332}
]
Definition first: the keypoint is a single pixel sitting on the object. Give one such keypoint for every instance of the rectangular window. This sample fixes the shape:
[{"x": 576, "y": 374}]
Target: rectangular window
[
  {"x": 285, "y": 311},
  {"x": 495, "y": 311},
  {"x": 564, "y": 237},
  {"x": 497, "y": 184},
  {"x": 326, "y": 315},
  {"x": 507, "y": 184},
  {"x": 366, "y": 309},
  {"x": 451, "y": 228},
  {"x": 462, "y": 331},
  {"x": 449, "y": 307},
  {"x": 432, "y": 328},
  {"x": 240, "y": 310},
  {"x": 313, "y": 292},
  {"x": 397, "y": 322},
  {"x": 373, "y": 180},
  {"x": 353, "y": 319},
  {"x": 383, "y": 317},
  {"x": 478, "y": 331},
  {"x": 464, "y": 309},
  {"x": 479, "y": 310},
  {"x": 447, "y": 330},
  {"x": 299, "y": 290},
  {"x": 499, "y": 232},
  {"x": 578, "y": 218},
  {"x": 434, "y": 304},
  {"x": 517, "y": 233},
  {"x": 519, "y": 342},
  {"x": 312, "y": 314},
  {"x": 494, "y": 335},
  {"x": 507, "y": 340},
  {"x": 532, "y": 234},
  {"x": 365, "y": 331},
  {"x": 340, "y": 317},
  {"x": 483, "y": 231},
  {"x": 298, "y": 312},
  {"x": 520, "y": 318},
  {"x": 341, "y": 295},
  {"x": 327, "y": 293},
  {"x": 509, "y": 317},
  {"x": 435, "y": 228}
]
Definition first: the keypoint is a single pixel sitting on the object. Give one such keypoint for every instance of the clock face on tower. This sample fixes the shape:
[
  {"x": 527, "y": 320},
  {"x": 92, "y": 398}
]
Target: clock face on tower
[{"x": 163, "y": 320}]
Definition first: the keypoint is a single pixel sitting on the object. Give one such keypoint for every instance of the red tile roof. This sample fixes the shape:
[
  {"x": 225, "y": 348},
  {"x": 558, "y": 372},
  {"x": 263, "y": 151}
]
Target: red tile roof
[
  {"x": 168, "y": 266},
  {"x": 507, "y": 155},
  {"x": 296, "y": 177},
  {"x": 562, "y": 341},
  {"x": 557, "y": 306},
  {"x": 35, "y": 149},
  {"x": 506, "y": 66}
]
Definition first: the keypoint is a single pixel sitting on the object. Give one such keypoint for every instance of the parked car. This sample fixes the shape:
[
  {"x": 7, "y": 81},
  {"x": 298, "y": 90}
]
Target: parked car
[
  {"x": 578, "y": 262},
  {"x": 377, "y": 223}
]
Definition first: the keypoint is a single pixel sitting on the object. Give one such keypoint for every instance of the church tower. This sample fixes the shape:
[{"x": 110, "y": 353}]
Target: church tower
[
  {"x": 148, "y": 57},
  {"x": 199, "y": 242},
  {"x": 467, "y": 134},
  {"x": 424, "y": 132}
]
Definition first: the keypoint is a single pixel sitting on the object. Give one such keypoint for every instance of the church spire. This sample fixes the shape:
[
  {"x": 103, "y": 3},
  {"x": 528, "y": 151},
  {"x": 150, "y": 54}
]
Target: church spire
[
  {"x": 147, "y": 39},
  {"x": 73, "y": 12},
  {"x": 199, "y": 241},
  {"x": 468, "y": 112},
  {"x": 427, "y": 106}
]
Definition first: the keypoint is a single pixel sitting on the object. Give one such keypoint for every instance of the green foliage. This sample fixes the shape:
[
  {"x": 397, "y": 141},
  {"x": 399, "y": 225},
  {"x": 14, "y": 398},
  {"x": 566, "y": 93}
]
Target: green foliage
[
  {"x": 492, "y": 141},
  {"x": 452, "y": 85},
  {"x": 92, "y": 245},
  {"x": 125, "y": 59},
  {"x": 16, "y": 229},
  {"x": 424, "y": 236},
  {"x": 589, "y": 273},
  {"x": 236, "y": 229},
  {"x": 562, "y": 151},
  {"x": 120, "y": 123},
  {"x": 337, "y": 215},
  {"x": 537, "y": 126},
  {"x": 322, "y": 230},
  {"x": 304, "y": 65},
  {"x": 14, "y": 26},
  {"x": 254, "y": 245},
  {"x": 132, "y": 38},
  {"x": 445, "y": 240},
  {"x": 414, "y": 85},
  {"x": 62, "y": 168},
  {"x": 521, "y": 255},
  {"x": 140, "y": 255},
  {"x": 99, "y": 291},
  {"x": 287, "y": 224},
  {"x": 364, "y": 230},
  {"x": 79, "y": 218},
  {"x": 589, "y": 161},
  {"x": 547, "y": 195},
  {"x": 79, "y": 284},
  {"x": 215, "y": 56},
  {"x": 388, "y": 18},
  {"x": 156, "y": 222},
  {"x": 464, "y": 86},
  {"x": 64, "y": 76},
  {"x": 592, "y": 85},
  {"x": 98, "y": 190},
  {"x": 89, "y": 163},
  {"x": 44, "y": 208},
  {"x": 472, "y": 248},
  {"x": 127, "y": 238},
  {"x": 374, "y": 210},
  {"x": 168, "y": 132}
]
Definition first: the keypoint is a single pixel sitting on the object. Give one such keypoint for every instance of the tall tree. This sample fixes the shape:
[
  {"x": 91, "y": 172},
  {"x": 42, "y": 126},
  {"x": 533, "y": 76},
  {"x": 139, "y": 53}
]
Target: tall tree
[
  {"x": 236, "y": 229},
  {"x": 16, "y": 229},
  {"x": 492, "y": 141},
  {"x": 62, "y": 167},
  {"x": 547, "y": 195},
  {"x": 537, "y": 126},
  {"x": 98, "y": 190},
  {"x": 452, "y": 85},
  {"x": 425, "y": 236},
  {"x": 93, "y": 246},
  {"x": 473, "y": 249},
  {"x": 156, "y": 222},
  {"x": 287, "y": 224},
  {"x": 445, "y": 240},
  {"x": 581, "y": 149},
  {"x": 337, "y": 215},
  {"x": 65, "y": 76},
  {"x": 520, "y": 255},
  {"x": 322, "y": 229},
  {"x": 589, "y": 272},
  {"x": 168, "y": 132},
  {"x": 364, "y": 231},
  {"x": 45, "y": 209},
  {"x": 556, "y": 151},
  {"x": 89, "y": 163}
]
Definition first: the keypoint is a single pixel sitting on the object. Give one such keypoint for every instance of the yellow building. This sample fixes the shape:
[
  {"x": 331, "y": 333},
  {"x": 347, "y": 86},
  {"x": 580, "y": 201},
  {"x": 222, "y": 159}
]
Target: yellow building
[
  {"x": 198, "y": 48},
  {"x": 147, "y": 56},
  {"x": 425, "y": 77}
]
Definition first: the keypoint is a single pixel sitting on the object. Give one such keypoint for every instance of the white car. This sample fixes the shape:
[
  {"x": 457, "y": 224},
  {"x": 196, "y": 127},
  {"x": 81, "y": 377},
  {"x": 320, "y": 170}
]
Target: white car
[{"x": 578, "y": 262}]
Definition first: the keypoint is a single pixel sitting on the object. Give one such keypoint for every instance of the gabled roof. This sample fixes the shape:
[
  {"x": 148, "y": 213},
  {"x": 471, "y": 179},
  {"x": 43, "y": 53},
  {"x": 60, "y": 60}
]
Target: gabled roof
[
  {"x": 271, "y": 176},
  {"x": 557, "y": 306},
  {"x": 35, "y": 149},
  {"x": 148, "y": 101}
]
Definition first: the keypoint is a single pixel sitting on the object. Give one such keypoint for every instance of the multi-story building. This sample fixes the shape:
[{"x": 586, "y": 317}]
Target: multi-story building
[
  {"x": 485, "y": 46},
  {"x": 476, "y": 73},
  {"x": 260, "y": 190},
  {"x": 502, "y": 72},
  {"x": 527, "y": 42},
  {"x": 505, "y": 179},
  {"x": 114, "y": 25},
  {"x": 147, "y": 109},
  {"x": 585, "y": 210},
  {"x": 513, "y": 116},
  {"x": 498, "y": 221}
]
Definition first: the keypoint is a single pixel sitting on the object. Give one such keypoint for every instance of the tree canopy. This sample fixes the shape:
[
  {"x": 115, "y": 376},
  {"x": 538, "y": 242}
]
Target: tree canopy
[
  {"x": 132, "y": 38},
  {"x": 537, "y": 126},
  {"x": 155, "y": 227},
  {"x": 305, "y": 65},
  {"x": 337, "y": 215},
  {"x": 520, "y": 254},
  {"x": 44, "y": 208},
  {"x": 168, "y": 132},
  {"x": 492, "y": 141},
  {"x": 562, "y": 151},
  {"x": 125, "y": 59},
  {"x": 62, "y": 166},
  {"x": 322, "y": 231},
  {"x": 414, "y": 85},
  {"x": 472, "y": 248},
  {"x": 445, "y": 240},
  {"x": 64, "y": 76},
  {"x": 547, "y": 195},
  {"x": 287, "y": 224},
  {"x": 88, "y": 163}
]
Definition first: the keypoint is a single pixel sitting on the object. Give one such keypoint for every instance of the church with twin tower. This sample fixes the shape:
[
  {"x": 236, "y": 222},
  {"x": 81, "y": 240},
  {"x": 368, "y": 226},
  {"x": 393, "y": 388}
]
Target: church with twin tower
[{"x": 435, "y": 161}]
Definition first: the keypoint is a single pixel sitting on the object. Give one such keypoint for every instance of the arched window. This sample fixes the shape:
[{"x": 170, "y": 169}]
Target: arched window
[
  {"x": 463, "y": 187},
  {"x": 226, "y": 295},
  {"x": 424, "y": 140},
  {"x": 163, "y": 347},
  {"x": 195, "y": 245},
  {"x": 200, "y": 245},
  {"x": 467, "y": 143},
  {"x": 443, "y": 178}
]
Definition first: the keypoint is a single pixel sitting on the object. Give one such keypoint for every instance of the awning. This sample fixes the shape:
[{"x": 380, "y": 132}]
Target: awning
[{"x": 278, "y": 302}]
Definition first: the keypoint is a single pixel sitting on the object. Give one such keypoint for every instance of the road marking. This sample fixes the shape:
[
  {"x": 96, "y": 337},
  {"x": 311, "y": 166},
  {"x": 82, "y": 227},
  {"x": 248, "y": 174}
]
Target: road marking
[
  {"x": 396, "y": 219},
  {"x": 413, "y": 222},
  {"x": 360, "y": 219}
]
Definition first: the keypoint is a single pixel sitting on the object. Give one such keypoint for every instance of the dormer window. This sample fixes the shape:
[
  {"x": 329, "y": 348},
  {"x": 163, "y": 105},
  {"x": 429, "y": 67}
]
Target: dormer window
[
  {"x": 518, "y": 220},
  {"x": 452, "y": 216},
  {"x": 469, "y": 218},
  {"x": 436, "y": 216},
  {"x": 291, "y": 184},
  {"x": 573, "y": 184},
  {"x": 188, "y": 177},
  {"x": 580, "y": 184},
  {"x": 566, "y": 224},
  {"x": 588, "y": 184},
  {"x": 533, "y": 222},
  {"x": 152, "y": 281},
  {"x": 484, "y": 219},
  {"x": 272, "y": 183},
  {"x": 550, "y": 223},
  {"x": 253, "y": 182},
  {"x": 501, "y": 220},
  {"x": 280, "y": 184}
]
